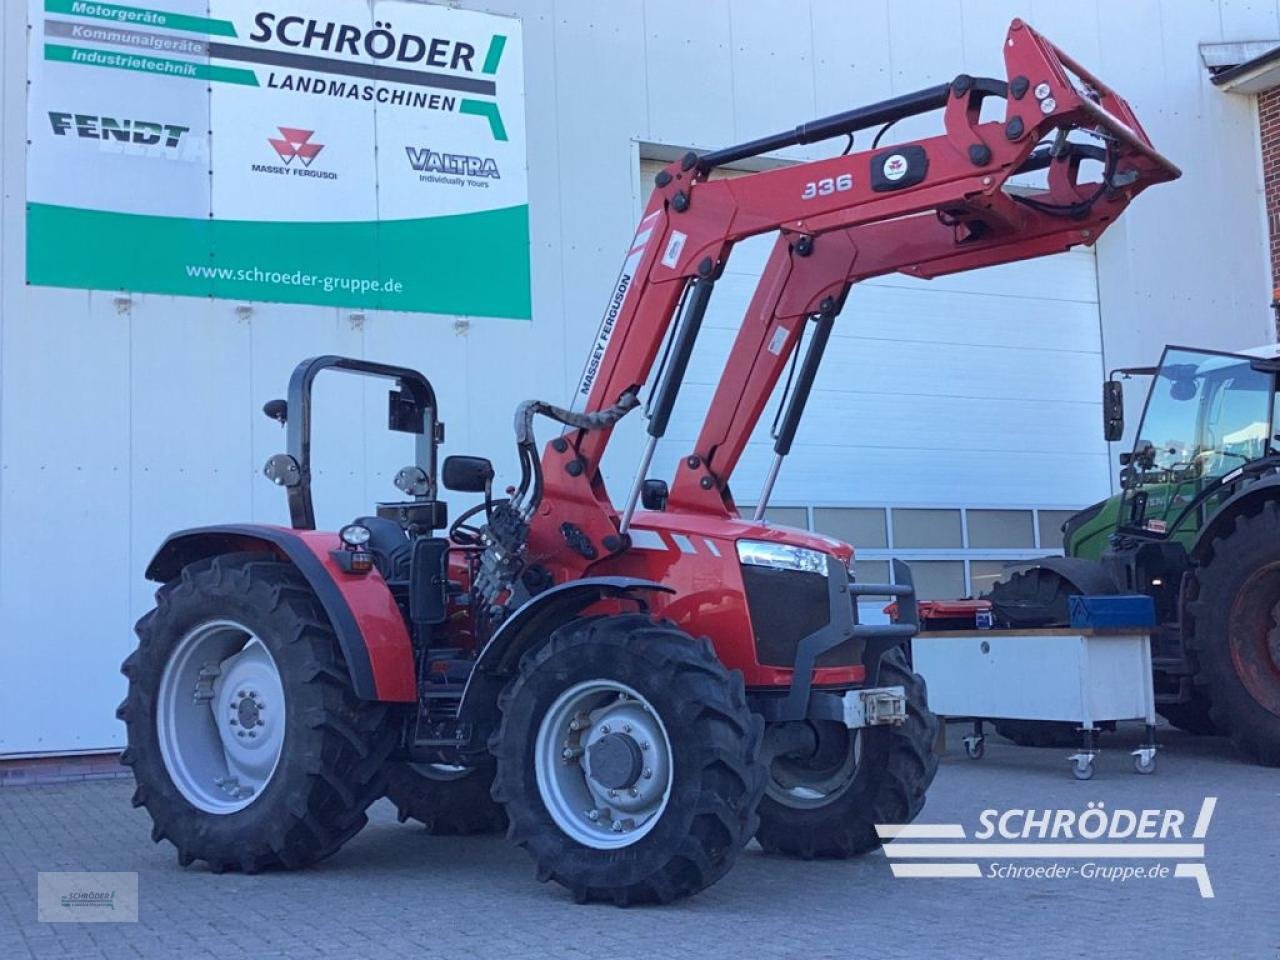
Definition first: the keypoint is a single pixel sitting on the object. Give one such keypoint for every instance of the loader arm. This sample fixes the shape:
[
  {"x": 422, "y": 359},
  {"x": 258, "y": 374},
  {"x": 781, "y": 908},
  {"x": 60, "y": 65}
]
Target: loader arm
[
  {"x": 813, "y": 277},
  {"x": 933, "y": 206}
]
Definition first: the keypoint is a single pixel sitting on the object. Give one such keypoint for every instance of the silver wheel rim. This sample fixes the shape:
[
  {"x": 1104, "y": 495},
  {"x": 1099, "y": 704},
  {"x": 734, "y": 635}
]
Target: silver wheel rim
[
  {"x": 572, "y": 736},
  {"x": 801, "y": 789},
  {"x": 220, "y": 716}
]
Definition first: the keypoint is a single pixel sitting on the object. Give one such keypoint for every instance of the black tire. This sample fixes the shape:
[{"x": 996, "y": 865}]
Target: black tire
[
  {"x": 447, "y": 802},
  {"x": 334, "y": 748},
  {"x": 896, "y": 766},
  {"x": 715, "y": 739},
  {"x": 1236, "y": 632},
  {"x": 1193, "y": 716},
  {"x": 1039, "y": 733}
]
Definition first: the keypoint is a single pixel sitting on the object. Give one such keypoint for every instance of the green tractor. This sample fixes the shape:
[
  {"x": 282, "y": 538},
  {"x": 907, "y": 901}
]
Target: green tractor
[{"x": 1196, "y": 526}]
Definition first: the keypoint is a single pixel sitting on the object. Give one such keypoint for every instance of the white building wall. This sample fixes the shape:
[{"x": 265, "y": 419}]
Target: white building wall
[{"x": 124, "y": 416}]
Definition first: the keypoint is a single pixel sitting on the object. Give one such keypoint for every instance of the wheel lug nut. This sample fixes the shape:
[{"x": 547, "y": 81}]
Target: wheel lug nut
[
  {"x": 252, "y": 734},
  {"x": 648, "y": 774},
  {"x": 634, "y": 792},
  {"x": 261, "y": 722},
  {"x": 645, "y": 745},
  {"x": 612, "y": 794},
  {"x": 604, "y": 728},
  {"x": 626, "y": 728},
  {"x": 593, "y": 815},
  {"x": 617, "y": 826},
  {"x": 234, "y": 722},
  {"x": 240, "y": 734}
]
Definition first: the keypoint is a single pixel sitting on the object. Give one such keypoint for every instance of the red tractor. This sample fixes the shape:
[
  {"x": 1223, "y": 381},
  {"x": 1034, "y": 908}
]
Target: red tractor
[{"x": 635, "y": 693}]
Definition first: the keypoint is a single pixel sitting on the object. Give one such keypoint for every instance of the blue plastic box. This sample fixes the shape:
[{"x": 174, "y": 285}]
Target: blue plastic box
[{"x": 1138, "y": 610}]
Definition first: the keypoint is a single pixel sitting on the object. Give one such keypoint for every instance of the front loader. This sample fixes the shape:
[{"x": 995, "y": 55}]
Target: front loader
[{"x": 638, "y": 690}]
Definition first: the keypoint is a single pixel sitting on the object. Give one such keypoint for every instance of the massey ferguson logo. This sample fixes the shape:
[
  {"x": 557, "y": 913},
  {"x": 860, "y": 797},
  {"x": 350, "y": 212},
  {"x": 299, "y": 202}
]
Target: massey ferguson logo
[
  {"x": 296, "y": 144},
  {"x": 895, "y": 168},
  {"x": 456, "y": 169},
  {"x": 293, "y": 144}
]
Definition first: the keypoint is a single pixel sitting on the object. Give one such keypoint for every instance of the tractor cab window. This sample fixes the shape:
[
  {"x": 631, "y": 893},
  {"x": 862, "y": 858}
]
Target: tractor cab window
[{"x": 1206, "y": 415}]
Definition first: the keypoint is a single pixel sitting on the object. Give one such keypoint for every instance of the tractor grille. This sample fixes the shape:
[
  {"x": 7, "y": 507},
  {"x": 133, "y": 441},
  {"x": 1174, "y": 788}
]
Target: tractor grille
[{"x": 786, "y": 606}]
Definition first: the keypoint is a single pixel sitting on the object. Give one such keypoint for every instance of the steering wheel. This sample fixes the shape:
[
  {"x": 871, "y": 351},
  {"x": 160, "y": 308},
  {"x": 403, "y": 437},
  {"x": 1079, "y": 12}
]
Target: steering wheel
[{"x": 464, "y": 533}]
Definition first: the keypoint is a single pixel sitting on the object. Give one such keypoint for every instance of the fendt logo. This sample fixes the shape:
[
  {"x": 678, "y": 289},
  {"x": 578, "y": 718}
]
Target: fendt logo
[
  {"x": 141, "y": 133},
  {"x": 455, "y": 169},
  {"x": 294, "y": 143}
]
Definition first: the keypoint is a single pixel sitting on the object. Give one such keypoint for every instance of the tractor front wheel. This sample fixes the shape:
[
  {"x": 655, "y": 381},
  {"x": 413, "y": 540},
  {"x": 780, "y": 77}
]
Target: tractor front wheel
[
  {"x": 249, "y": 748},
  {"x": 628, "y": 761},
  {"x": 828, "y": 804}
]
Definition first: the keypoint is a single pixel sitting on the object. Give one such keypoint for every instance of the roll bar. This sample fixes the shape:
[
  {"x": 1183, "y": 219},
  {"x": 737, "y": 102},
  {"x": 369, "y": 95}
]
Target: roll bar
[{"x": 411, "y": 408}]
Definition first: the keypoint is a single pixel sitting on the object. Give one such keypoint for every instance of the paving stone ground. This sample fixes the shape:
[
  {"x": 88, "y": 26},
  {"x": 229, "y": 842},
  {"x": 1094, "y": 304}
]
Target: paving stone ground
[{"x": 395, "y": 892}]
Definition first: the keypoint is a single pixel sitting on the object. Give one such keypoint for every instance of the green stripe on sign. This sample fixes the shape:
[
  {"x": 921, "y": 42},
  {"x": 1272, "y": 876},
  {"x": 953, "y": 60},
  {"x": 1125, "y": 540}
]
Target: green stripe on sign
[
  {"x": 475, "y": 264},
  {"x": 483, "y": 108},
  {"x": 184, "y": 69},
  {"x": 141, "y": 16},
  {"x": 491, "y": 59}
]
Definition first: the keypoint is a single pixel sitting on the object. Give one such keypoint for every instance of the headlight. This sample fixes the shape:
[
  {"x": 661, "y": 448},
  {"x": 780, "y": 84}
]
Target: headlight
[
  {"x": 781, "y": 556},
  {"x": 354, "y": 535}
]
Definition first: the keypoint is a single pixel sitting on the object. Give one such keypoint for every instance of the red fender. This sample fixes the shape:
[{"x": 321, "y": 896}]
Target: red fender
[{"x": 360, "y": 607}]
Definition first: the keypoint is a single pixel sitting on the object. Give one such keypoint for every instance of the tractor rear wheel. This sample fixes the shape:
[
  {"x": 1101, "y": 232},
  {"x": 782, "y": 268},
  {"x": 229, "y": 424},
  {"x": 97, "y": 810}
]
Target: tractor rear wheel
[
  {"x": 248, "y": 746},
  {"x": 1236, "y": 632},
  {"x": 828, "y": 805},
  {"x": 628, "y": 761},
  {"x": 449, "y": 800}
]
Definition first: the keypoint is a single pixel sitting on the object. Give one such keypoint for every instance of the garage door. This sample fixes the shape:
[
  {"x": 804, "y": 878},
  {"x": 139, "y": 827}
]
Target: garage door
[{"x": 954, "y": 422}]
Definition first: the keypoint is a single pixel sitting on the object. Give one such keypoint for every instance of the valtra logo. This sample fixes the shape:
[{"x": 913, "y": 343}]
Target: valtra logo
[{"x": 296, "y": 144}]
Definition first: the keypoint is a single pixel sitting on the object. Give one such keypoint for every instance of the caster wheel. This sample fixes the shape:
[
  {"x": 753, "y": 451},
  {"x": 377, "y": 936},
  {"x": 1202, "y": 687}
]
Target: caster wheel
[
  {"x": 1144, "y": 765},
  {"x": 1082, "y": 769},
  {"x": 975, "y": 747}
]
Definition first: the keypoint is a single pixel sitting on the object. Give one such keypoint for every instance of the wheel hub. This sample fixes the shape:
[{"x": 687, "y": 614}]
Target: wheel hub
[
  {"x": 220, "y": 716},
  {"x": 603, "y": 764},
  {"x": 1273, "y": 638},
  {"x": 615, "y": 761}
]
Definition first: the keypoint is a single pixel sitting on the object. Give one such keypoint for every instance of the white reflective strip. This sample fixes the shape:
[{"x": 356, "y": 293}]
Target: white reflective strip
[
  {"x": 967, "y": 870},
  {"x": 683, "y": 542},
  {"x": 920, "y": 831},
  {"x": 715, "y": 551},
  {"x": 642, "y": 238},
  {"x": 646, "y": 540}
]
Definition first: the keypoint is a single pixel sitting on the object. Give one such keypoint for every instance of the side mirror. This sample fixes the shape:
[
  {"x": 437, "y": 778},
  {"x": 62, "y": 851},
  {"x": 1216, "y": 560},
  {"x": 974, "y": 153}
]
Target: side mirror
[
  {"x": 277, "y": 410},
  {"x": 1112, "y": 410},
  {"x": 467, "y": 474},
  {"x": 653, "y": 494}
]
